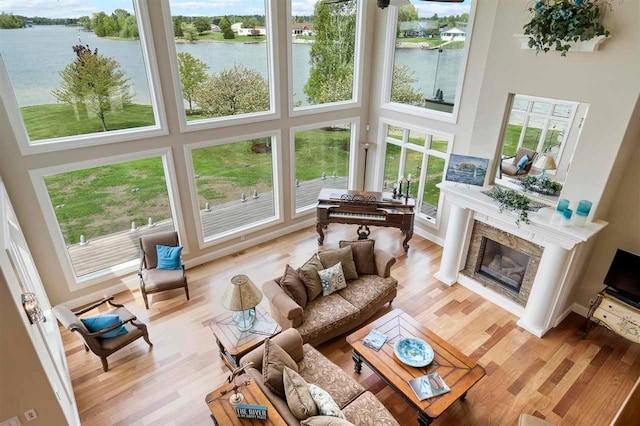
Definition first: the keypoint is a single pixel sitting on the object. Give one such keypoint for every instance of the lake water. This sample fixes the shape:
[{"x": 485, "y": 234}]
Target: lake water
[{"x": 34, "y": 56}]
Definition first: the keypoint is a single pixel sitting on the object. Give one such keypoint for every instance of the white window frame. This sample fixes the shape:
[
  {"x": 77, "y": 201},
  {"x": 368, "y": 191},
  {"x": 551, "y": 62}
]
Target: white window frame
[
  {"x": 28, "y": 147},
  {"x": 38, "y": 180},
  {"x": 273, "y": 71},
  {"x": 426, "y": 150},
  {"x": 278, "y": 195},
  {"x": 389, "y": 60},
  {"x": 356, "y": 100},
  {"x": 546, "y": 118},
  {"x": 353, "y": 159}
]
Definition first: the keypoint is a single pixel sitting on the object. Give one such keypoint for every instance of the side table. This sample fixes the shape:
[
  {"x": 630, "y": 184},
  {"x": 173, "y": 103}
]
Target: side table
[
  {"x": 223, "y": 413},
  {"x": 233, "y": 343}
]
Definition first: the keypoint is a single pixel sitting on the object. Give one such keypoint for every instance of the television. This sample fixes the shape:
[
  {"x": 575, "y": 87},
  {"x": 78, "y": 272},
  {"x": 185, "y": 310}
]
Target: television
[{"x": 624, "y": 275}]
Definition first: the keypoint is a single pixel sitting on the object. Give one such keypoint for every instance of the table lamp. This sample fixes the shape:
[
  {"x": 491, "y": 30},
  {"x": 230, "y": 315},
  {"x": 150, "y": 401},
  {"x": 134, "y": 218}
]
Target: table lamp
[
  {"x": 242, "y": 297},
  {"x": 544, "y": 163}
]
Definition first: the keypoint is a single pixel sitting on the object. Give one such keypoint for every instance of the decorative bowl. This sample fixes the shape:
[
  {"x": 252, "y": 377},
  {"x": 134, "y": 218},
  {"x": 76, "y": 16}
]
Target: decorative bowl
[{"x": 413, "y": 351}]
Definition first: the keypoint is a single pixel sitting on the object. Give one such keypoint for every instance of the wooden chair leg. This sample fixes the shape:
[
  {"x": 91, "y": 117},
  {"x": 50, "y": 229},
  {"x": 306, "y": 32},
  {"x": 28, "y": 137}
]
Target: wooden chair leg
[
  {"x": 186, "y": 290},
  {"x": 143, "y": 328},
  {"x": 146, "y": 301},
  {"x": 105, "y": 364},
  {"x": 86, "y": 348}
]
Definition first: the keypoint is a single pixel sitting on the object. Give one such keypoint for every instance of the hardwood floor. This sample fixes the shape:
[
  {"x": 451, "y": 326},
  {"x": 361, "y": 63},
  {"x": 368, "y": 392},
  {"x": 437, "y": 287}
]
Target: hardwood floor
[{"x": 562, "y": 378}]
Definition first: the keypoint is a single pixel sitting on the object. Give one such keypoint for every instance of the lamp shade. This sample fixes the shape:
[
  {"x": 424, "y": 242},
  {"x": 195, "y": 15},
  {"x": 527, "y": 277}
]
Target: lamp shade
[
  {"x": 545, "y": 162},
  {"x": 241, "y": 295}
]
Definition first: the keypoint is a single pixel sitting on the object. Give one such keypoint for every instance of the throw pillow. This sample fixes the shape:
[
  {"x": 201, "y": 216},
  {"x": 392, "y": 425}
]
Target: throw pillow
[
  {"x": 332, "y": 279},
  {"x": 325, "y": 421},
  {"x": 325, "y": 403},
  {"x": 293, "y": 286},
  {"x": 298, "y": 396},
  {"x": 363, "y": 256},
  {"x": 522, "y": 162},
  {"x": 309, "y": 275},
  {"x": 169, "y": 257},
  {"x": 273, "y": 363},
  {"x": 341, "y": 255},
  {"x": 100, "y": 322}
]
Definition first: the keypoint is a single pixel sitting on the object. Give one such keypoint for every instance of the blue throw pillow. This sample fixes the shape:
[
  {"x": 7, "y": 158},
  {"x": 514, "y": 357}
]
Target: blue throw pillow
[
  {"x": 169, "y": 257},
  {"x": 523, "y": 161},
  {"x": 100, "y": 322}
]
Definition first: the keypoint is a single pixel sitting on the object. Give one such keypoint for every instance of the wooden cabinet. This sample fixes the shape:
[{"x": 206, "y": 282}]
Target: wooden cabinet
[{"x": 618, "y": 316}]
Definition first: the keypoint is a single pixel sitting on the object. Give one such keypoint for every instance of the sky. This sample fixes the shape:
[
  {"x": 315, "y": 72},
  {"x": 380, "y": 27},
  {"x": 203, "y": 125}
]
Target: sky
[{"x": 77, "y": 8}]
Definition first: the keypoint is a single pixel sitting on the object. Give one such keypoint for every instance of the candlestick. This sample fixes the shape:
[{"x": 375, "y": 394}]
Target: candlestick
[{"x": 409, "y": 178}]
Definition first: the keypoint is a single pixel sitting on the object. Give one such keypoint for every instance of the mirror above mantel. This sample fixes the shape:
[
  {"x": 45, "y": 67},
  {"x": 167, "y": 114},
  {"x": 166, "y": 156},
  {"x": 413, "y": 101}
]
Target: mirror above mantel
[{"x": 537, "y": 144}]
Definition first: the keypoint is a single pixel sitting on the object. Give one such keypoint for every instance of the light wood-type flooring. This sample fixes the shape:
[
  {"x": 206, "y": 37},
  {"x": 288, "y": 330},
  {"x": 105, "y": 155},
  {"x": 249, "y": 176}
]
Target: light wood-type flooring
[{"x": 562, "y": 378}]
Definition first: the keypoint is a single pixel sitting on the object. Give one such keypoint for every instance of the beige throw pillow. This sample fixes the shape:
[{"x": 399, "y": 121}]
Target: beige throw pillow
[
  {"x": 363, "y": 255},
  {"x": 273, "y": 363},
  {"x": 293, "y": 286},
  {"x": 325, "y": 421},
  {"x": 298, "y": 396},
  {"x": 325, "y": 403},
  {"x": 309, "y": 275},
  {"x": 344, "y": 255},
  {"x": 332, "y": 279}
]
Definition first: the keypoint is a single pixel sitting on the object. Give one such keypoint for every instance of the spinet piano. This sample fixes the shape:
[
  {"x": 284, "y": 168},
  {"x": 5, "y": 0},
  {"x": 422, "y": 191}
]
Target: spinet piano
[{"x": 365, "y": 209}]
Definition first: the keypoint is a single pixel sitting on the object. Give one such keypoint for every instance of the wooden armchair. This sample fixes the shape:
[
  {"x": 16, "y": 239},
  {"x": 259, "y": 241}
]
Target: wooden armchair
[
  {"x": 509, "y": 165},
  {"x": 154, "y": 280},
  {"x": 103, "y": 347}
]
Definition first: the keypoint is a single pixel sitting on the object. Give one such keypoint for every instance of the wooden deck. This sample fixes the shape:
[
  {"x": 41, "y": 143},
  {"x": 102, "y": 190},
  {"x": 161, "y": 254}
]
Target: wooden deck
[{"x": 123, "y": 246}]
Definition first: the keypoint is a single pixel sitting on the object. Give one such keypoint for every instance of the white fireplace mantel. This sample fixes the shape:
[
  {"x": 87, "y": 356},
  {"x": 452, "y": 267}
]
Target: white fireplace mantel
[{"x": 550, "y": 286}]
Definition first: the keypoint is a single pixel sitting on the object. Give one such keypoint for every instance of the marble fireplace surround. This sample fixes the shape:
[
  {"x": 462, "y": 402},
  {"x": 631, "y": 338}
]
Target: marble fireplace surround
[{"x": 548, "y": 302}]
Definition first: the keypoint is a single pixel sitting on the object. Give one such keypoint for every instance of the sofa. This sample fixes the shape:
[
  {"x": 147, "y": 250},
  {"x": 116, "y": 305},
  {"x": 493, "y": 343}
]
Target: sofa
[
  {"x": 360, "y": 407},
  {"x": 330, "y": 316}
]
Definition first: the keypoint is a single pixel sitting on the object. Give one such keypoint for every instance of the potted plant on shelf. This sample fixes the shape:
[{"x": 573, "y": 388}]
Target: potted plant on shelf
[
  {"x": 561, "y": 24},
  {"x": 541, "y": 185}
]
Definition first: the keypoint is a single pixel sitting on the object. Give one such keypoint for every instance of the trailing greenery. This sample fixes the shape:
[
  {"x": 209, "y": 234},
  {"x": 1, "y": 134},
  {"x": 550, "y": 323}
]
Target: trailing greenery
[
  {"x": 542, "y": 185},
  {"x": 557, "y": 23},
  {"x": 512, "y": 200}
]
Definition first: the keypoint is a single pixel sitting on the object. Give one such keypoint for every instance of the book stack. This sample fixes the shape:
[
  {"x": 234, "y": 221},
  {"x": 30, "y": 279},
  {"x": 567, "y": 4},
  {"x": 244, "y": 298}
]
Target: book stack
[
  {"x": 428, "y": 386},
  {"x": 375, "y": 340}
]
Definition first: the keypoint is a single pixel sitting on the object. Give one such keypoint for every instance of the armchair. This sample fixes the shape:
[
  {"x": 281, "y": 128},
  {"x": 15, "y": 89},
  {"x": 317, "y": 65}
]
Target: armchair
[
  {"x": 154, "y": 280},
  {"x": 103, "y": 347},
  {"x": 509, "y": 165}
]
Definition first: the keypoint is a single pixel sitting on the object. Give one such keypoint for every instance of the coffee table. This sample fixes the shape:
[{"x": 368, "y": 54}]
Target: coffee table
[
  {"x": 223, "y": 413},
  {"x": 233, "y": 343},
  {"x": 459, "y": 372}
]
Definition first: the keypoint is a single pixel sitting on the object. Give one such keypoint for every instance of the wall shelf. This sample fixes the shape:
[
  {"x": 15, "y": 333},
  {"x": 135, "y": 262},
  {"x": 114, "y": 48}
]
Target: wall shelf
[{"x": 579, "y": 46}]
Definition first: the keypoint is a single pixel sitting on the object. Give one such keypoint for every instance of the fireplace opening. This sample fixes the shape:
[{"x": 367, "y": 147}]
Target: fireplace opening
[{"x": 502, "y": 264}]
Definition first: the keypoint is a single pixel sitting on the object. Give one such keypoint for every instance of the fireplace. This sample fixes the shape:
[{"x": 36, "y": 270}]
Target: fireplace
[{"x": 503, "y": 262}]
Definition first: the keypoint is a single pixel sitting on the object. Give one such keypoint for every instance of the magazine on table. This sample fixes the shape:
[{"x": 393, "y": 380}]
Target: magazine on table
[
  {"x": 264, "y": 327},
  {"x": 428, "y": 386},
  {"x": 375, "y": 340}
]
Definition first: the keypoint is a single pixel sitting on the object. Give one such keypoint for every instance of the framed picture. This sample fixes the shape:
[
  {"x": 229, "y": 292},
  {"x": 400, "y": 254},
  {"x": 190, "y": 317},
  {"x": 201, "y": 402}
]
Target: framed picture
[{"x": 467, "y": 169}]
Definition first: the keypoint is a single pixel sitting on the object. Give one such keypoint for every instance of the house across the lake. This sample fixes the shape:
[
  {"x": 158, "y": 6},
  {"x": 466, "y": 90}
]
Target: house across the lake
[
  {"x": 302, "y": 29},
  {"x": 453, "y": 34}
]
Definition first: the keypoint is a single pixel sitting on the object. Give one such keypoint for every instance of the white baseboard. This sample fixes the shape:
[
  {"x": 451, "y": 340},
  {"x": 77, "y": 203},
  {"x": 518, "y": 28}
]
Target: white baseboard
[
  {"x": 492, "y": 296},
  {"x": 234, "y": 248},
  {"x": 96, "y": 295},
  {"x": 580, "y": 310},
  {"x": 428, "y": 235}
]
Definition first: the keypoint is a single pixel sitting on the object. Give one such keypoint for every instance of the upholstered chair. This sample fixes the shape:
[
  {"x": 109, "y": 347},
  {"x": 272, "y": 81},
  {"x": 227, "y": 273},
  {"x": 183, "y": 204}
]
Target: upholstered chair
[
  {"x": 153, "y": 280},
  {"x": 103, "y": 347},
  {"x": 509, "y": 165}
]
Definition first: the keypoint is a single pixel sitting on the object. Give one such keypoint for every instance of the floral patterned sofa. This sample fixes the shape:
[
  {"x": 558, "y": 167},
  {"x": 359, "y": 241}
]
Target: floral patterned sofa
[
  {"x": 360, "y": 407},
  {"x": 330, "y": 316}
]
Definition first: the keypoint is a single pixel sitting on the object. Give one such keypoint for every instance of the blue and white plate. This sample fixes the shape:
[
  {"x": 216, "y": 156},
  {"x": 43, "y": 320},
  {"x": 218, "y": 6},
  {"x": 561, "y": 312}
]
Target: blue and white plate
[{"x": 413, "y": 351}]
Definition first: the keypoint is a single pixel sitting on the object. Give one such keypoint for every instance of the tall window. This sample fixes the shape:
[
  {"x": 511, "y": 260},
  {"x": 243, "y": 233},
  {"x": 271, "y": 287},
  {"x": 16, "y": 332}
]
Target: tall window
[
  {"x": 235, "y": 186},
  {"x": 538, "y": 124},
  {"x": 102, "y": 211},
  {"x": 224, "y": 58},
  {"x": 324, "y": 52},
  {"x": 77, "y": 73},
  {"x": 429, "y": 53},
  {"x": 423, "y": 156},
  {"x": 322, "y": 159}
]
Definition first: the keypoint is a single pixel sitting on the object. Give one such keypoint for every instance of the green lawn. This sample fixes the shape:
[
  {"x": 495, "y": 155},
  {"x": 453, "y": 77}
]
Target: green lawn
[
  {"x": 429, "y": 41},
  {"x": 236, "y": 39},
  {"x": 58, "y": 120},
  {"x": 322, "y": 150},
  {"x": 531, "y": 138}
]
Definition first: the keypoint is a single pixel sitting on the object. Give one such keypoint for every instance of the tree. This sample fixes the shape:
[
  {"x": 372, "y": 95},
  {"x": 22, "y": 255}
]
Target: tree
[
  {"x": 239, "y": 90},
  {"x": 192, "y": 74},
  {"x": 332, "y": 53},
  {"x": 250, "y": 23},
  {"x": 177, "y": 26},
  {"x": 9, "y": 21},
  {"x": 407, "y": 13},
  {"x": 94, "y": 81},
  {"x": 202, "y": 24},
  {"x": 85, "y": 21},
  {"x": 402, "y": 90},
  {"x": 225, "y": 27},
  {"x": 189, "y": 31}
]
